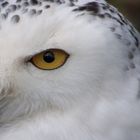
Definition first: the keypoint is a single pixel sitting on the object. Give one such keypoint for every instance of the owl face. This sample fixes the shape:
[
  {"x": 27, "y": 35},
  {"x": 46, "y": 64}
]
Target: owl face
[{"x": 75, "y": 60}]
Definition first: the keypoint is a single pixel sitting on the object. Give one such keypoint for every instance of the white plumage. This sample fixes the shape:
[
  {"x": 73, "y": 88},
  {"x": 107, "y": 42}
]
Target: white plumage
[{"x": 95, "y": 95}]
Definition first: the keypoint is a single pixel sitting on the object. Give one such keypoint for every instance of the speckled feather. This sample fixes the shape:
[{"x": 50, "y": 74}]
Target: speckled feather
[
  {"x": 95, "y": 95},
  {"x": 121, "y": 27}
]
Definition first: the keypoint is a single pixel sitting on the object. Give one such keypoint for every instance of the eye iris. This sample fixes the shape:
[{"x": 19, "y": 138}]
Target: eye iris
[{"x": 49, "y": 57}]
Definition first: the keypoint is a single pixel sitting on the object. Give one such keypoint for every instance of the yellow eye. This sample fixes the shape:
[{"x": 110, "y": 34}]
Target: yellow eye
[{"x": 50, "y": 59}]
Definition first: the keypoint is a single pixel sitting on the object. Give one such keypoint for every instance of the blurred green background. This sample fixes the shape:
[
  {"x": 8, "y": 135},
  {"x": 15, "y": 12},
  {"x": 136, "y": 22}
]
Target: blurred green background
[{"x": 130, "y": 8}]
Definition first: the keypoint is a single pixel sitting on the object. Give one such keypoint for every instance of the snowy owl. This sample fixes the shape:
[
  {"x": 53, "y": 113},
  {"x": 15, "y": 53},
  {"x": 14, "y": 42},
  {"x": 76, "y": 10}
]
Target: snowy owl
[{"x": 69, "y": 70}]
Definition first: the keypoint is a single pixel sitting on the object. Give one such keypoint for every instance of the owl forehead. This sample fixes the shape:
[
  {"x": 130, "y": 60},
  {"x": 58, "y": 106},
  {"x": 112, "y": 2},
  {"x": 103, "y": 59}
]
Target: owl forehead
[{"x": 14, "y": 11}]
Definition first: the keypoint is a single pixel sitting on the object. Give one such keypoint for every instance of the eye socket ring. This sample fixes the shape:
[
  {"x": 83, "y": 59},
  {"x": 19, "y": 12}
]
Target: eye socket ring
[{"x": 50, "y": 59}]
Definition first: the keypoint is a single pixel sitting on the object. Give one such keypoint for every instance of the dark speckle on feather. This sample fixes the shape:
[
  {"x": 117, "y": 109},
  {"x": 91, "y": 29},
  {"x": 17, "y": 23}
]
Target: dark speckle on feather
[
  {"x": 130, "y": 55},
  {"x": 47, "y": 6},
  {"x": 18, "y": 1},
  {"x": 39, "y": 12},
  {"x": 12, "y": 8},
  {"x": 4, "y": 4},
  {"x": 15, "y": 19},
  {"x": 25, "y": 4},
  {"x": 92, "y": 7},
  {"x": 34, "y": 2},
  {"x": 4, "y": 16},
  {"x": 32, "y": 12}
]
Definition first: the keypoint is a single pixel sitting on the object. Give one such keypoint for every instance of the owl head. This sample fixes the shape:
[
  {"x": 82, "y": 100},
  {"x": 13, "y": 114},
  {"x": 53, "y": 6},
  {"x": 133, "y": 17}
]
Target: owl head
[{"x": 57, "y": 55}]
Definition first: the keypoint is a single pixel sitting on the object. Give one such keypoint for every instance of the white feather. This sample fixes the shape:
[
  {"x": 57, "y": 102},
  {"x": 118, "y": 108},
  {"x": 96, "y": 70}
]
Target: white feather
[{"x": 94, "y": 96}]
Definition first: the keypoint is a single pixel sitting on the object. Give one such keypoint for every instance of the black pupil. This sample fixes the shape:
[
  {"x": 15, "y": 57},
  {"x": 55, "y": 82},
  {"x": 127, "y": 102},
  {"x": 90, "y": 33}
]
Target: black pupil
[{"x": 49, "y": 57}]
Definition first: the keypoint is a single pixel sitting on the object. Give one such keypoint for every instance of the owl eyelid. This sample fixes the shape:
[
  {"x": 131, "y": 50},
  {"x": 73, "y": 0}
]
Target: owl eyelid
[{"x": 29, "y": 57}]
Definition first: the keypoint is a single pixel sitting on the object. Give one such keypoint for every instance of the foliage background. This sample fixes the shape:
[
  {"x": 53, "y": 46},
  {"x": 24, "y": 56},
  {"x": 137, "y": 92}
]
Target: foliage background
[{"x": 130, "y": 8}]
